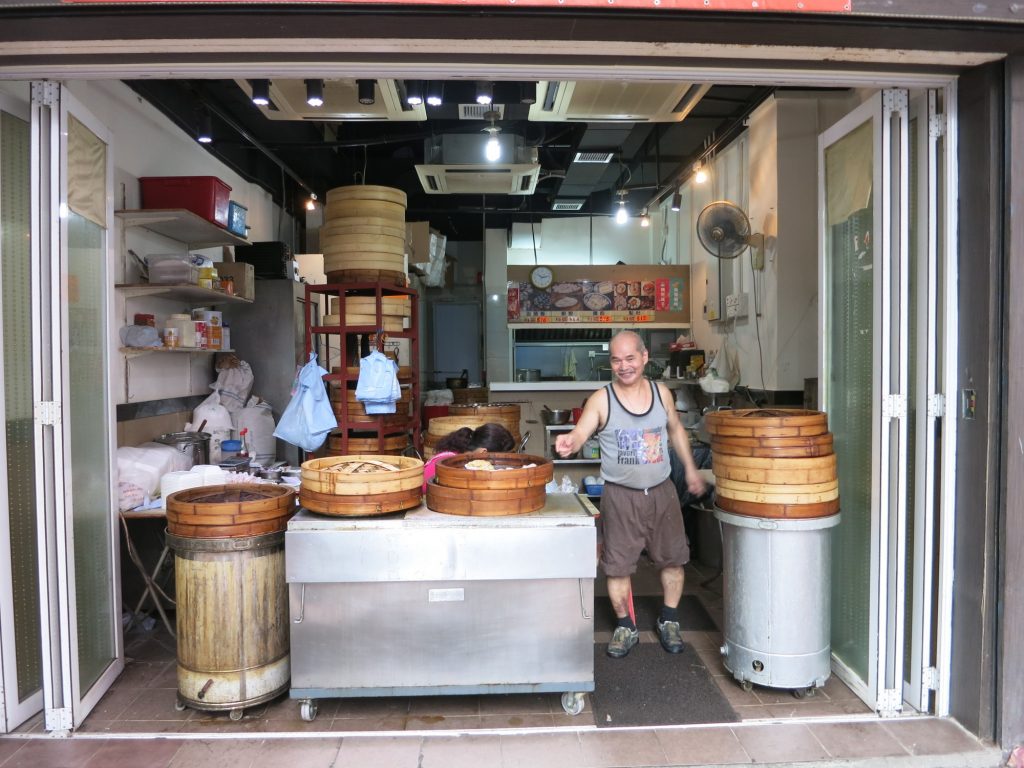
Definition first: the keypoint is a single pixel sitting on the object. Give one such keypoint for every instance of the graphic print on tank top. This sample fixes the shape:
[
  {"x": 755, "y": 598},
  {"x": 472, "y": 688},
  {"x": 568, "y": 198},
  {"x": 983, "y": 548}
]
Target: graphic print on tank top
[{"x": 640, "y": 446}]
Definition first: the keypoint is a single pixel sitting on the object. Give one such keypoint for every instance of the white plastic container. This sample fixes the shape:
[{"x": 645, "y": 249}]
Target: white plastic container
[{"x": 186, "y": 329}]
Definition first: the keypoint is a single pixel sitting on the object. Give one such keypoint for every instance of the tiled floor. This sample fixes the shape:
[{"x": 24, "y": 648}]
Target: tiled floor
[{"x": 136, "y": 724}]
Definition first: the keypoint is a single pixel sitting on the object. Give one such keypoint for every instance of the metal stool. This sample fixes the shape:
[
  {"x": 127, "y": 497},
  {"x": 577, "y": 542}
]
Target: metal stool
[{"x": 153, "y": 589}]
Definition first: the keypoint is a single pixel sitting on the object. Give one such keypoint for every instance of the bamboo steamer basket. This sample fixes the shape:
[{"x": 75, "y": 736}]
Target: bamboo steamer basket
[
  {"x": 366, "y": 192},
  {"x": 481, "y": 503},
  {"x": 353, "y": 226},
  {"x": 445, "y": 425},
  {"x": 362, "y": 444},
  {"x": 357, "y": 412},
  {"x": 361, "y": 242},
  {"x": 817, "y": 469},
  {"x": 399, "y": 306},
  {"x": 470, "y": 395},
  {"x": 513, "y": 473},
  {"x": 387, "y": 322},
  {"x": 361, "y": 475},
  {"x": 365, "y": 421},
  {"x": 404, "y": 372},
  {"x": 752, "y": 509},
  {"x": 774, "y": 463},
  {"x": 386, "y": 276},
  {"x": 223, "y": 511},
  {"x": 360, "y": 506},
  {"x": 378, "y": 209},
  {"x": 506, "y": 414},
  {"x": 350, "y": 395}
]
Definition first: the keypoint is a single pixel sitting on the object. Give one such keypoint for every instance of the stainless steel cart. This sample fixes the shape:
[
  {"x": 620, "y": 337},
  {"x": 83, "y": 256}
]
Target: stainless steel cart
[{"x": 422, "y": 603}]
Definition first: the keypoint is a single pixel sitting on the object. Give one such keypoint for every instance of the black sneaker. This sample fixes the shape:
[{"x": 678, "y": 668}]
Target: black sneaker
[
  {"x": 622, "y": 642},
  {"x": 671, "y": 639}
]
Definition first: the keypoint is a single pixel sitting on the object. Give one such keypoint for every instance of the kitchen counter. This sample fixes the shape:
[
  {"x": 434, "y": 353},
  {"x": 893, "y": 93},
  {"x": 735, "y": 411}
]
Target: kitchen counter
[{"x": 565, "y": 386}]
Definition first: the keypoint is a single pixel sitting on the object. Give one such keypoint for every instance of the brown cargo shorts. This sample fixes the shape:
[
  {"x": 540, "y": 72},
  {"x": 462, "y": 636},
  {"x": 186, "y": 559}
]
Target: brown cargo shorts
[{"x": 633, "y": 521}]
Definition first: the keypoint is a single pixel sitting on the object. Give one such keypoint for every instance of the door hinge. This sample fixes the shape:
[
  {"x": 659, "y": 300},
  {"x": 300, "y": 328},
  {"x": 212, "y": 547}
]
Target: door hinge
[
  {"x": 48, "y": 412},
  {"x": 895, "y": 100},
  {"x": 59, "y": 719},
  {"x": 936, "y": 406},
  {"x": 45, "y": 93},
  {"x": 894, "y": 406},
  {"x": 889, "y": 702},
  {"x": 930, "y": 678},
  {"x": 936, "y": 126}
]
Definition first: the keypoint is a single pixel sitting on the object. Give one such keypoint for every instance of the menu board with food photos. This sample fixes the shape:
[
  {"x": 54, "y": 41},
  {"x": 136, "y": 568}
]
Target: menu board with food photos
[{"x": 595, "y": 294}]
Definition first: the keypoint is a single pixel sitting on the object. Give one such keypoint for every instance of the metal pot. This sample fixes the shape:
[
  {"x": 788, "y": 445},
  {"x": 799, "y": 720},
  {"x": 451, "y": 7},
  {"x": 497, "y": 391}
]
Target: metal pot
[
  {"x": 556, "y": 416},
  {"x": 458, "y": 382},
  {"x": 527, "y": 374},
  {"x": 195, "y": 445}
]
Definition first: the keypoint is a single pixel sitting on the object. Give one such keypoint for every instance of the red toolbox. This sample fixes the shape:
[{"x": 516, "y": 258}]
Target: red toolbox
[{"x": 206, "y": 196}]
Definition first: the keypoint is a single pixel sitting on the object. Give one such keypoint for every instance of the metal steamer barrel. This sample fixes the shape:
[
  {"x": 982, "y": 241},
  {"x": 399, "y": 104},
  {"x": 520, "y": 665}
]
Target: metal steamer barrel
[
  {"x": 361, "y": 485},
  {"x": 773, "y": 463},
  {"x": 513, "y": 487},
  {"x": 232, "y": 621}
]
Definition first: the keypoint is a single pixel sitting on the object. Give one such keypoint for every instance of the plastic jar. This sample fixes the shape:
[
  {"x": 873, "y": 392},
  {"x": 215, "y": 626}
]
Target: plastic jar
[{"x": 186, "y": 329}]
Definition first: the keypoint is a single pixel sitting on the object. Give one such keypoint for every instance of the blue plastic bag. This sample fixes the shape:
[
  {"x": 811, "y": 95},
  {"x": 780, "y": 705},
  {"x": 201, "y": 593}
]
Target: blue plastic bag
[{"x": 308, "y": 418}]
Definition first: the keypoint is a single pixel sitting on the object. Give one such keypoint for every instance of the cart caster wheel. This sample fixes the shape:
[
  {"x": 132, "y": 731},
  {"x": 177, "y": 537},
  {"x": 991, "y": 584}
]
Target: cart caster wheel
[
  {"x": 236, "y": 714},
  {"x": 572, "y": 703},
  {"x": 746, "y": 685},
  {"x": 804, "y": 693},
  {"x": 307, "y": 710},
  {"x": 179, "y": 705}
]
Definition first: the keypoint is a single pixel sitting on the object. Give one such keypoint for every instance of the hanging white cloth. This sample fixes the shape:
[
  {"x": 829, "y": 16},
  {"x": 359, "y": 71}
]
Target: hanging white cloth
[{"x": 378, "y": 388}]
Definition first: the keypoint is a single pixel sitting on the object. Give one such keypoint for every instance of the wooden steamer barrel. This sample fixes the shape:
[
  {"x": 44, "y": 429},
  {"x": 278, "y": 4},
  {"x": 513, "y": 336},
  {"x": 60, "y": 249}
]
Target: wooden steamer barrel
[
  {"x": 511, "y": 488},
  {"x": 363, "y": 237},
  {"x": 361, "y": 485},
  {"x": 773, "y": 463},
  {"x": 232, "y": 597}
]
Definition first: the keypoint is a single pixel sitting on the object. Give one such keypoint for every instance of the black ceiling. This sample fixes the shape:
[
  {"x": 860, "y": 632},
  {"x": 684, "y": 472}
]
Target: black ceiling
[{"x": 291, "y": 157}]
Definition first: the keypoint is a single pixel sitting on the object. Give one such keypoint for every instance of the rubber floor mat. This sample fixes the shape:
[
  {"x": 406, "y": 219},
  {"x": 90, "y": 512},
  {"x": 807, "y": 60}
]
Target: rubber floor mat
[
  {"x": 652, "y": 687},
  {"x": 692, "y": 615}
]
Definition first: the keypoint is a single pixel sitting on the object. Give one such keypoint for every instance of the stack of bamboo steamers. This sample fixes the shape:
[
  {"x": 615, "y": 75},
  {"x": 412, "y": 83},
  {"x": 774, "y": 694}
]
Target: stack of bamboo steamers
[
  {"x": 774, "y": 463},
  {"x": 363, "y": 237}
]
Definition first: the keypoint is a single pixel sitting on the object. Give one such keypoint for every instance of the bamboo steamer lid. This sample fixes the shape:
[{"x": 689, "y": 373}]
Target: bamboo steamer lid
[
  {"x": 766, "y": 422},
  {"x": 362, "y": 474},
  {"x": 226, "y": 511},
  {"x": 366, "y": 192}
]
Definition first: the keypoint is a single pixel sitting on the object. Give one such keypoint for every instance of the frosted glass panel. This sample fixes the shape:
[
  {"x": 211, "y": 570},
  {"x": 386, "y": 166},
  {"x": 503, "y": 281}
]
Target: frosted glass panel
[
  {"x": 90, "y": 484},
  {"x": 849, "y": 255},
  {"x": 15, "y": 274}
]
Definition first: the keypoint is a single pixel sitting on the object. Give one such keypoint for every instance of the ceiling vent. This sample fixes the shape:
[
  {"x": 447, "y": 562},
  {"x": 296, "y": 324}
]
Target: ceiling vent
[
  {"x": 481, "y": 111},
  {"x": 568, "y": 204},
  {"x": 455, "y": 165},
  {"x": 341, "y": 102},
  {"x": 613, "y": 100},
  {"x": 594, "y": 157}
]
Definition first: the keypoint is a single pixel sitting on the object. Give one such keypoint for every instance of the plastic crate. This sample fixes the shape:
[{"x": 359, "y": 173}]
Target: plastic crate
[
  {"x": 206, "y": 196},
  {"x": 236, "y": 218}
]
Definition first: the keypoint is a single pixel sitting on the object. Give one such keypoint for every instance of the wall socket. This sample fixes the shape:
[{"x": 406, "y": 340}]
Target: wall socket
[{"x": 737, "y": 305}]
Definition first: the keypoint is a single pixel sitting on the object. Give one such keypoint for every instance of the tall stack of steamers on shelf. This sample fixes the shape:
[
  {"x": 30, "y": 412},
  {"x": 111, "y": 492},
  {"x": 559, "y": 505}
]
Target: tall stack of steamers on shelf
[{"x": 777, "y": 496}]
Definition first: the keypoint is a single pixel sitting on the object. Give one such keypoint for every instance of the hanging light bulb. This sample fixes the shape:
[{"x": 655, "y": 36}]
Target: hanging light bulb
[
  {"x": 622, "y": 215},
  {"x": 492, "y": 149},
  {"x": 315, "y": 93},
  {"x": 311, "y": 203},
  {"x": 260, "y": 92},
  {"x": 701, "y": 175},
  {"x": 645, "y": 220}
]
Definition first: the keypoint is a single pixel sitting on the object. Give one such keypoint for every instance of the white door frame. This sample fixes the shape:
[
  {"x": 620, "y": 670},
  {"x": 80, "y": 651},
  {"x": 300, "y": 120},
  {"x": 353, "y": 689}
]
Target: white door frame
[
  {"x": 66, "y": 705},
  {"x": 12, "y": 711}
]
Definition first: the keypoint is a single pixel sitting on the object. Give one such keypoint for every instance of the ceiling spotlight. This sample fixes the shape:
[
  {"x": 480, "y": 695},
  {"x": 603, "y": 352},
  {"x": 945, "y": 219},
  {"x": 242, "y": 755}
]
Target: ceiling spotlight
[
  {"x": 645, "y": 220},
  {"x": 413, "y": 92},
  {"x": 366, "y": 91},
  {"x": 311, "y": 202},
  {"x": 484, "y": 93},
  {"x": 435, "y": 90},
  {"x": 315, "y": 93},
  {"x": 622, "y": 215},
  {"x": 205, "y": 133},
  {"x": 528, "y": 93},
  {"x": 677, "y": 201},
  {"x": 260, "y": 92},
  {"x": 701, "y": 175},
  {"x": 492, "y": 150}
]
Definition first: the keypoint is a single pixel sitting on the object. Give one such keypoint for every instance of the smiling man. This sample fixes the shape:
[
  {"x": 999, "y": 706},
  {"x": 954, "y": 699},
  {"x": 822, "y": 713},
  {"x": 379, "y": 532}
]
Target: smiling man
[{"x": 635, "y": 420}]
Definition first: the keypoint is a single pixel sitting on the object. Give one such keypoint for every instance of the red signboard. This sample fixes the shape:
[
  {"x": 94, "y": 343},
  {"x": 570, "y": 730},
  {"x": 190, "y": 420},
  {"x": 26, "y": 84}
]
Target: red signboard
[{"x": 771, "y": 6}]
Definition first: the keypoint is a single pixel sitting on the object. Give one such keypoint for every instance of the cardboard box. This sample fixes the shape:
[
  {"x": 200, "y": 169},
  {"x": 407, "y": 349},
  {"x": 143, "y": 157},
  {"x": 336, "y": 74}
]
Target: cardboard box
[{"x": 244, "y": 276}]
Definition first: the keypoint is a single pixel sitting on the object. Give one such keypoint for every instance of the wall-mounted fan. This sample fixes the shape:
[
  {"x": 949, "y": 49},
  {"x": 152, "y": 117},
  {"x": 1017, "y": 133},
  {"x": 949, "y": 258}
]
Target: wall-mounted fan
[{"x": 724, "y": 230}]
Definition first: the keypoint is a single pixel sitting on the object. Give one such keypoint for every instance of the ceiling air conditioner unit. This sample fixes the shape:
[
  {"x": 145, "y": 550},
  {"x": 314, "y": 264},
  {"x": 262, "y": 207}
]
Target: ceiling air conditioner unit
[
  {"x": 613, "y": 100},
  {"x": 341, "y": 102},
  {"x": 455, "y": 164}
]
